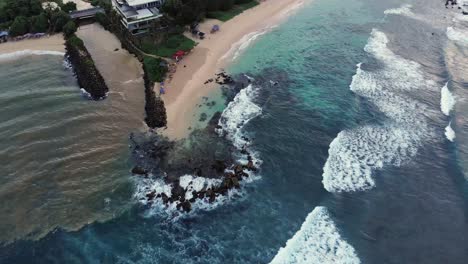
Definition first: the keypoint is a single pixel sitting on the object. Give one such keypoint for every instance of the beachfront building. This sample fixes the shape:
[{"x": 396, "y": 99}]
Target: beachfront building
[{"x": 137, "y": 15}]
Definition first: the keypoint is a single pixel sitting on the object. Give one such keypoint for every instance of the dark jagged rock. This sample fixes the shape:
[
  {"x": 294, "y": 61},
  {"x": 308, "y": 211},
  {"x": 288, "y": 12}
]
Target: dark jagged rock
[
  {"x": 203, "y": 117},
  {"x": 177, "y": 192},
  {"x": 88, "y": 76},
  {"x": 151, "y": 195},
  {"x": 139, "y": 171},
  {"x": 186, "y": 206}
]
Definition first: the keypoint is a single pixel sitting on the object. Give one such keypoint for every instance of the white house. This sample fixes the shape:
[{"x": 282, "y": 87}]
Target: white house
[{"x": 137, "y": 15}]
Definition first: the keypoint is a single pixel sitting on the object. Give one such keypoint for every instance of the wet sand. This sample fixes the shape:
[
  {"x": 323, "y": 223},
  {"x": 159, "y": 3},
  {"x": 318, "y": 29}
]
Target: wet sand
[
  {"x": 47, "y": 43},
  {"x": 213, "y": 53}
]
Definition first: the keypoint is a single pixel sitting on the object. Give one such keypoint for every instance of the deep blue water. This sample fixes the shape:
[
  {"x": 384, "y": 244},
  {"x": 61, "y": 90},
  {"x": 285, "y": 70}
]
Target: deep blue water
[{"x": 415, "y": 212}]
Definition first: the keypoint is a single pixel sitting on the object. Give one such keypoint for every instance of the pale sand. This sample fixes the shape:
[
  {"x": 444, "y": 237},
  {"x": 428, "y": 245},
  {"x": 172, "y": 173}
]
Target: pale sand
[
  {"x": 80, "y": 5},
  {"x": 47, "y": 43},
  {"x": 213, "y": 53}
]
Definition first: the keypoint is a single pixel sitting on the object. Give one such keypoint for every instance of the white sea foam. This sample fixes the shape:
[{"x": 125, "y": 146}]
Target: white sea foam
[
  {"x": 457, "y": 35},
  {"x": 237, "y": 48},
  {"x": 449, "y": 132},
  {"x": 85, "y": 93},
  {"x": 237, "y": 114},
  {"x": 403, "y": 10},
  {"x": 447, "y": 100},
  {"x": 318, "y": 241},
  {"x": 23, "y": 53},
  {"x": 355, "y": 154},
  {"x": 189, "y": 183}
]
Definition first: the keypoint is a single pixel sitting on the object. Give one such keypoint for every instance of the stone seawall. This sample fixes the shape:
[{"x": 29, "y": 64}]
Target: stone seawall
[{"x": 88, "y": 76}]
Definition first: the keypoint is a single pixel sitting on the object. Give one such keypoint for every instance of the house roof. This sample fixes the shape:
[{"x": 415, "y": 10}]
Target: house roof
[
  {"x": 144, "y": 13},
  {"x": 139, "y": 2}
]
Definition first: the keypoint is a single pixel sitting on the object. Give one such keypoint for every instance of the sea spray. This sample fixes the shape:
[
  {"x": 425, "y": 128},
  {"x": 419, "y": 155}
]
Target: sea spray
[
  {"x": 447, "y": 100},
  {"x": 403, "y": 10},
  {"x": 449, "y": 132},
  {"x": 458, "y": 36},
  {"x": 318, "y": 241}
]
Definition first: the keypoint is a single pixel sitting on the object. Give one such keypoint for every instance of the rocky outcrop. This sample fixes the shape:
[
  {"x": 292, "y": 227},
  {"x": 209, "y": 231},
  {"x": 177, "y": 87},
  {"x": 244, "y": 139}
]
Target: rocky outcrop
[
  {"x": 209, "y": 156},
  {"x": 88, "y": 76}
]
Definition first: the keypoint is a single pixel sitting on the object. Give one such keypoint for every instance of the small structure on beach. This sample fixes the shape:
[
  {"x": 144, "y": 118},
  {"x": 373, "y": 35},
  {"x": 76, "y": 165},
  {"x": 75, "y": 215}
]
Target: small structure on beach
[
  {"x": 178, "y": 55},
  {"x": 214, "y": 29},
  {"x": 3, "y": 36}
]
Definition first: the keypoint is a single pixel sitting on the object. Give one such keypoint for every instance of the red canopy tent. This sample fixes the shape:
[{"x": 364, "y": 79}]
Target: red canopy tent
[{"x": 179, "y": 54}]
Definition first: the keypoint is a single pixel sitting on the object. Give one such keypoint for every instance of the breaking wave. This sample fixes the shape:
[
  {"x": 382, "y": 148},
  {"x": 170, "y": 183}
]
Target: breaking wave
[
  {"x": 237, "y": 114},
  {"x": 403, "y": 10},
  {"x": 237, "y": 48},
  {"x": 457, "y": 36},
  {"x": 354, "y": 154},
  {"x": 449, "y": 132},
  {"x": 189, "y": 183},
  {"x": 318, "y": 241},
  {"x": 447, "y": 100},
  {"x": 23, "y": 53}
]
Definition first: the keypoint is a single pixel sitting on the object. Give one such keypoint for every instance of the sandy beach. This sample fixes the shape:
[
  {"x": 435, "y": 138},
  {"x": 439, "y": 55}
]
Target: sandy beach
[
  {"x": 54, "y": 43},
  {"x": 213, "y": 53}
]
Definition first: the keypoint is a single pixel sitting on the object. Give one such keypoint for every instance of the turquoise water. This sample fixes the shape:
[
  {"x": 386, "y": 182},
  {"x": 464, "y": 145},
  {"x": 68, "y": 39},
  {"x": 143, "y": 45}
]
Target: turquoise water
[{"x": 372, "y": 165}]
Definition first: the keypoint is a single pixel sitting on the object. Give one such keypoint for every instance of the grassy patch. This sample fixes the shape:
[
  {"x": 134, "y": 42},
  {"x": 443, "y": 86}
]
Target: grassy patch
[
  {"x": 166, "y": 49},
  {"x": 155, "y": 68},
  {"x": 237, "y": 9}
]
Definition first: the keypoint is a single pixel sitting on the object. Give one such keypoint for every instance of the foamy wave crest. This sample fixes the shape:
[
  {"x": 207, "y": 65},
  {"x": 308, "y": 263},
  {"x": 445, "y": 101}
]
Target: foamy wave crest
[
  {"x": 403, "y": 10},
  {"x": 237, "y": 114},
  {"x": 237, "y": 48},
  {"x": 447, "y": 100},
  {"x": 85, "y": 94},
  {"x": 457, "y": 36},
  {"x": 449, "y": 132},
  {"x": 318, "y": 241},
  {"x": 23, "y": 53},
  {"x": 189, "y": 183},
  {"x": 355, "y": 154}
]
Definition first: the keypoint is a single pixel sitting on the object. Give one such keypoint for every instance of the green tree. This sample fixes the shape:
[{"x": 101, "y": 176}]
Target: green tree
[
  {"x": 226, "y": 4},
  {"x": 39, "y": 24},
  {"x": 58, "y": 20},
  {"x": 68, "y": 7},
  {"x": 20, "y": 26},
  {"x": 69, "y": 29},
  {"x": 26, "y": 8}
]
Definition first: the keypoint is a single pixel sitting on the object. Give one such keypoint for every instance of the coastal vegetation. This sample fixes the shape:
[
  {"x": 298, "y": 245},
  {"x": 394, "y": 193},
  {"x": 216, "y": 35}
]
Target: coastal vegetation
[
  {"x": 186, "y": 12},
  {"x": 156, "y": 68},
  {"x": 31, "y": 16},
  {"x": 232, "y": 12},
  {"x": 169, "y": 46}
]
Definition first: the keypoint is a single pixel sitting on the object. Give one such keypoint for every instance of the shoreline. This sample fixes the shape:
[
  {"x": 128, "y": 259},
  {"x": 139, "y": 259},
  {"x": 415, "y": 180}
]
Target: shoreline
[
  {"x": 53, "y": 45},
  {"x": 213, "y": 54},
  {"x": 54, "y": 42}
]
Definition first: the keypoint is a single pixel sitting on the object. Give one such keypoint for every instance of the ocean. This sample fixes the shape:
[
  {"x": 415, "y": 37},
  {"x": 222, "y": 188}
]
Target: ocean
[{"x": 356, "y": 115}]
